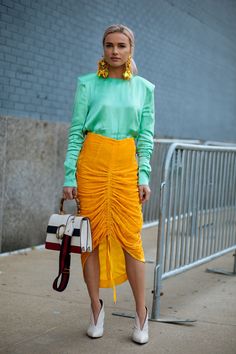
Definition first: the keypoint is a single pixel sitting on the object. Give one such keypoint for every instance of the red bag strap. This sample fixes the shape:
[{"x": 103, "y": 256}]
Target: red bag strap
[{"x": 64, "y": 265}]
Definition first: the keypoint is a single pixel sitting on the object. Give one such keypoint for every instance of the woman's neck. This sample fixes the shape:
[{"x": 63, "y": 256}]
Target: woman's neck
[{"x": 116, "y": 72}]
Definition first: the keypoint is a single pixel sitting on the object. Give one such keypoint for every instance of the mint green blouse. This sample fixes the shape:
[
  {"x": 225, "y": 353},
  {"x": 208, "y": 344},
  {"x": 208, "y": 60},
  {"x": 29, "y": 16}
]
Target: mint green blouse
[{"x": 115, "y": 108}]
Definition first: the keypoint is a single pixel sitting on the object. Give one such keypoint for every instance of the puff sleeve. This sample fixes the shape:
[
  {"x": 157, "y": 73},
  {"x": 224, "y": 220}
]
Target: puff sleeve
[
  {"x": 76, "y": 136},
  {"x": 145, "y": 137}
]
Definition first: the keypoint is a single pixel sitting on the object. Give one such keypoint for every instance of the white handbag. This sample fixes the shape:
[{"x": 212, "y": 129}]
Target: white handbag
[{"x": 75, "y": 226}]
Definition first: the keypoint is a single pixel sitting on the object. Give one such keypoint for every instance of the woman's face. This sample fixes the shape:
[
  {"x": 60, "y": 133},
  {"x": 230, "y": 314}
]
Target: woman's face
[{"x": 116, "y": 49}]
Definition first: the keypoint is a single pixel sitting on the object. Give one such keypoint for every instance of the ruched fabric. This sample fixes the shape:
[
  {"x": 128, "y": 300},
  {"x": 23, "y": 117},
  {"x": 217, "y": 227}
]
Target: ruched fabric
[{"x": 107, "y": 188}]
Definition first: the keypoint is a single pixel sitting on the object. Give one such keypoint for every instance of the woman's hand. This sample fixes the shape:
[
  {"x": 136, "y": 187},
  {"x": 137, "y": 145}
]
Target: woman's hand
[
  {"x": 69, "y": 192},
  {"x": 144, "y": 192}
]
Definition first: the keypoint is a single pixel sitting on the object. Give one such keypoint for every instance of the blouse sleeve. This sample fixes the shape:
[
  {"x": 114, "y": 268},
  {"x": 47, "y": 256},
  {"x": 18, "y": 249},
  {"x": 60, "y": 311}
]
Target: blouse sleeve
[
  {"x": 75, "y": 136},
  {"x": 145, "y": 141}
]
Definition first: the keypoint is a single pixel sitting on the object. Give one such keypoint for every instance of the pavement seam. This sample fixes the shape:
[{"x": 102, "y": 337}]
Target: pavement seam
[{"x": 217, "y": 323}]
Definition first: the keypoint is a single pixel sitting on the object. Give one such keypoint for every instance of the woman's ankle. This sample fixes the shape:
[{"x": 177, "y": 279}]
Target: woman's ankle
[
  {"x": 142, "y": 313},
  {"x": 96, "y": 302},
  {"x": 96, "y": 308}
]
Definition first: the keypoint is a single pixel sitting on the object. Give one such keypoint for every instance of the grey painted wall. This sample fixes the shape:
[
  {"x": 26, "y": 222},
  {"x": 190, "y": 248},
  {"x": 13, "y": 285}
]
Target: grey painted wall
[
  {"x": 186, "y": 47},
  {"x": 31, "y": 175}
]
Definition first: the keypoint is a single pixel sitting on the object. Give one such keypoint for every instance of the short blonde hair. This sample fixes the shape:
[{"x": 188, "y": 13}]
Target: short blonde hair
[{"x": 130, "y": 34}]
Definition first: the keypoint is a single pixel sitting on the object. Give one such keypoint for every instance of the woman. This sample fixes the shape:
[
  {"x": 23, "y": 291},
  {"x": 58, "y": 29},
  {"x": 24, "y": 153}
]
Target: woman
[{"x": 112, "y": 121}]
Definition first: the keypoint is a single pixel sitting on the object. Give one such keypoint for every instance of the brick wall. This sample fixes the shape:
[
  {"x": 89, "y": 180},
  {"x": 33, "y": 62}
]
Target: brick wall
[{"x": 186, "y": 48}]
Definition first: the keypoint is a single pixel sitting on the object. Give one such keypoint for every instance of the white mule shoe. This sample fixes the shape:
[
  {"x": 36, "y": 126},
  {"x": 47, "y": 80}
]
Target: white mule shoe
[
  {"x": 140, "y": 335},
  {"x": 96, "y": 331}
]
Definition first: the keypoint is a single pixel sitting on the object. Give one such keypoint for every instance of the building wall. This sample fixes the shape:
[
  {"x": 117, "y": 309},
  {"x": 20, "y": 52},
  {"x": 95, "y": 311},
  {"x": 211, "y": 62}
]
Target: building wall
[
  {"x": 187, "y": 48},
  {"x": 31, "y": 175}
]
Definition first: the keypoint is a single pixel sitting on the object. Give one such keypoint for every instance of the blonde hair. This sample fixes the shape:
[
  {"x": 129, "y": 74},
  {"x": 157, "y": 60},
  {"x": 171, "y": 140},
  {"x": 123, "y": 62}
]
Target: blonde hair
[{"x": 129, "y": 33}]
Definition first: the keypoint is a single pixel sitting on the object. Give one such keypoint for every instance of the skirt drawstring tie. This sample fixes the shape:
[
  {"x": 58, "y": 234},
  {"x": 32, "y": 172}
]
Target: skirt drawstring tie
[{"x": 109, "y": 268}]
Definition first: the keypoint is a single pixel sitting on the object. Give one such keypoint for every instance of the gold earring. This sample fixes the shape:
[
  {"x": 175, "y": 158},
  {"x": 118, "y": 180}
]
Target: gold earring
[
  {"x": 102, "y": 68},
  {"x": 127, "y": 74}
]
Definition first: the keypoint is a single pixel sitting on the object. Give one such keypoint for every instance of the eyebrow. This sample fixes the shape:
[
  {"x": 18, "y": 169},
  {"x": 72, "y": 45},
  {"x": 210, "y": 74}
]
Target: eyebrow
[{"x": 118, "y": 43}]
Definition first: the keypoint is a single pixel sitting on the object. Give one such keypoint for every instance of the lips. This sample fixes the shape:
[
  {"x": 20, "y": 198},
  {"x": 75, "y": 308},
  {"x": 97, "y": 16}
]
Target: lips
[{"x": 114, "y": 58}]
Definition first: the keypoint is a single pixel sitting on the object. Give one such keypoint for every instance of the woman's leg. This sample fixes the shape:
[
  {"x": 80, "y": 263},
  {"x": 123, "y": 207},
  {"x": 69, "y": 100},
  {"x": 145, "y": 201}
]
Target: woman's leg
[
  {"x": 91, "y": 276},
  {"x": 136, "y": 274}
]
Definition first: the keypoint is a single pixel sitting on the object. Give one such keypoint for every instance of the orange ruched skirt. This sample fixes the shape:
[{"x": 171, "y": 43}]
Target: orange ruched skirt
[{"x": 107, "y": 180}]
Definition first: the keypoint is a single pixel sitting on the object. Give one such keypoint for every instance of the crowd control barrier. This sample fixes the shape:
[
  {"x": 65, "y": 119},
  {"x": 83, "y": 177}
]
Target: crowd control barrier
[
  {"x": 151, "y": 209},
  {"x": 197, "y": 210}
]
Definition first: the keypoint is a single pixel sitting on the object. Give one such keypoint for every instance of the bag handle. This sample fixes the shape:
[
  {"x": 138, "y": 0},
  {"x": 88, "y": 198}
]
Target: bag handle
[{"x": 62, "y": 211}]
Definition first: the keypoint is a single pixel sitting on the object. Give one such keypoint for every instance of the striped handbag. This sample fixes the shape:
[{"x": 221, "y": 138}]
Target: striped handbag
[
  {"x": 78, "y": 228},
  {"x": 67, "y": 233}
]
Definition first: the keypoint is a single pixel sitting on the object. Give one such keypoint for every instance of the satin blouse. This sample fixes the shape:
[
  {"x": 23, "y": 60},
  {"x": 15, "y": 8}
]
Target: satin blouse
[{"x": 116, "y": 108}]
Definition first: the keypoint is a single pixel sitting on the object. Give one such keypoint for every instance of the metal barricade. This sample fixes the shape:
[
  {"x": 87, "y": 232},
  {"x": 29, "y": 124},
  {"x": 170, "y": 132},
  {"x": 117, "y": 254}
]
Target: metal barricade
[
  {"x": 197, "y": 213},
  {"x": 151, "y": 209}
]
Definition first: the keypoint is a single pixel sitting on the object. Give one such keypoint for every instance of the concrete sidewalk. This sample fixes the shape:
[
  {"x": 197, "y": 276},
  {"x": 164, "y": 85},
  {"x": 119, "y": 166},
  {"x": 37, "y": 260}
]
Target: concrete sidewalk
[{"x": 37, "y": 319}]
